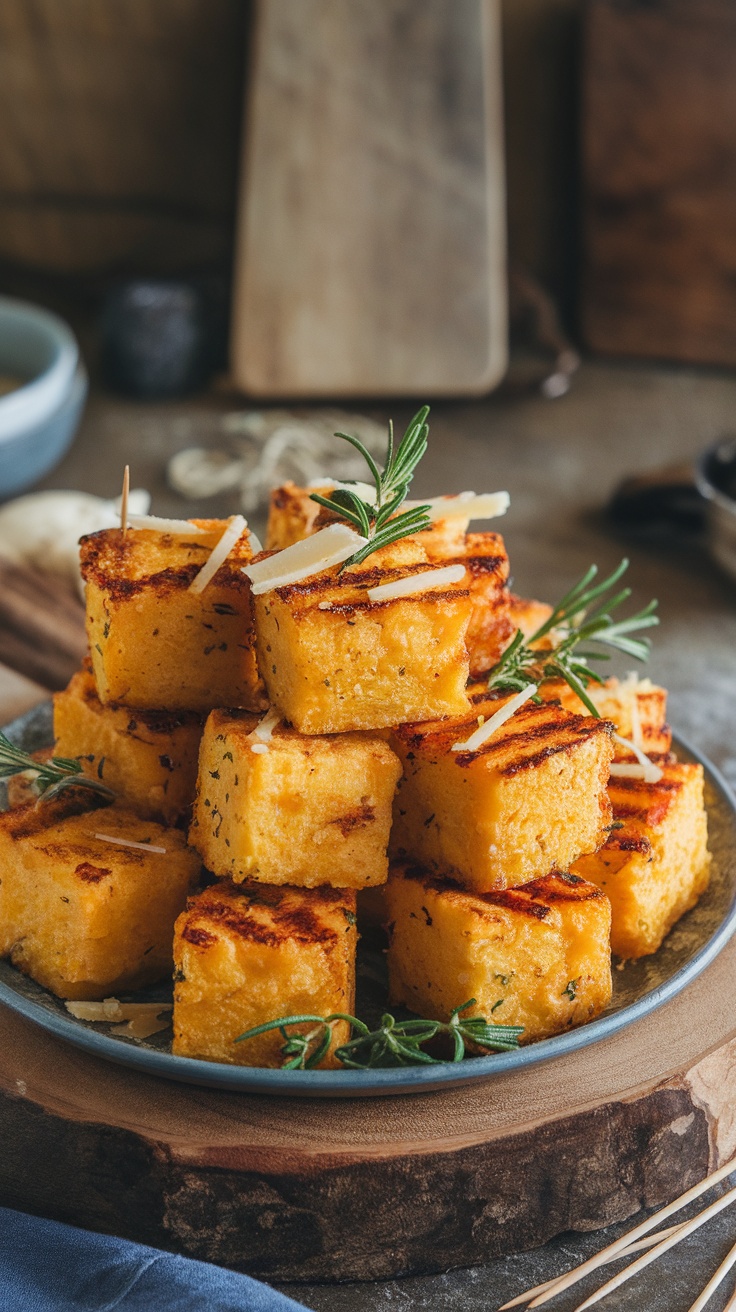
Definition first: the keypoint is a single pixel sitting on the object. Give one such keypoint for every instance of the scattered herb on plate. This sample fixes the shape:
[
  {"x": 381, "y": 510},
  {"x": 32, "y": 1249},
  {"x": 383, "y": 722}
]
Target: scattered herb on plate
[{"x": 49, "y": 777}]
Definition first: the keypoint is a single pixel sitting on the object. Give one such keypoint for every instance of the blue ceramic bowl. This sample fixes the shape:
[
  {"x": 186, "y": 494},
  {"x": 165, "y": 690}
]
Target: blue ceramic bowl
[{"x": 38, "y": 419}]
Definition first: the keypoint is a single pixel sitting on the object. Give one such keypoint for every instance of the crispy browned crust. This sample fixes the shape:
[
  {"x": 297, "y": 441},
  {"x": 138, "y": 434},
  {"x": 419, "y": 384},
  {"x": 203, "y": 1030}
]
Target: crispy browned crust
[
  {"x": 633, "y": 799},
  {"x": 112, "y": 560},
  {"x": 537, "y": 733},
  {"x": 34, "y": 817},
  {"x": 534, "y": 899},
  {"x": 293, "y": 914},
  {"x": 353, "y": 584}
]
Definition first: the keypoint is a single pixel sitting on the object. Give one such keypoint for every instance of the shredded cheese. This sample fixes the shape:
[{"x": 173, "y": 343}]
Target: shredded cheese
[
  {"x": 126, "y": 842},
  {"x": 143, "y": 1018},
  {"x": 219, "y": 553},
  {"x": 261, "y": 736},
  {"x": 111, "y": 1009},
  {"x": 484, "y": 731},
  {"x": 466, "y": 505},
  {"x": 330, "y": 546},
  {"x": 256, "y": 545},
  {"x": 164, "y": 525},
  {"x": 433, "y": 578},
  {"x": 646, "y": 769}
]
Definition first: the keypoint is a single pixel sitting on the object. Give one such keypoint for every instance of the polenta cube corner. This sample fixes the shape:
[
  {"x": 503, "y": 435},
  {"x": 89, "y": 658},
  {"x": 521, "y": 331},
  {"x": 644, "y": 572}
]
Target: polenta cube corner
[
  {"x": 249, "y": 953},
  {"x": 154, "y": 643},
  {"x": 334, "y": 660},
  {"x": 82, "y": 915},
  {"x": 655, "y": 864},
  {"x": 536, "y": 956},
  {"x": 531, "y": 799},
  {"x": 296, "y": 810},
  {"x": 148, "y": 758}
]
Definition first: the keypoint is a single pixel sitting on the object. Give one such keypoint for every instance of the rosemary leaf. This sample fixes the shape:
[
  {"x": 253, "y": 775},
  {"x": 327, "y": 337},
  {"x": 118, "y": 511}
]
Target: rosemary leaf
[
  {"x": 50, "y": 777},
  {"x": 383, "y": 523}
]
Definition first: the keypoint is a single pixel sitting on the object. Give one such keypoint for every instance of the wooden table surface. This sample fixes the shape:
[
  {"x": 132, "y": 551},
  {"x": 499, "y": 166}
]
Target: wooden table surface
[{"x": 560, "y": 460}]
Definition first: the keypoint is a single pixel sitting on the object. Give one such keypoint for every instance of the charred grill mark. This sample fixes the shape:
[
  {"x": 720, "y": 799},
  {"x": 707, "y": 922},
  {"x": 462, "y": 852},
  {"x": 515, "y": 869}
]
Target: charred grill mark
[
  {"x": 513, "y": 899},
  {"x": 362, "y": 815},
  {"x": 619, "y": 842},
  {"x": 91, "y": 874},
  {"x": 199, "y": 937}
]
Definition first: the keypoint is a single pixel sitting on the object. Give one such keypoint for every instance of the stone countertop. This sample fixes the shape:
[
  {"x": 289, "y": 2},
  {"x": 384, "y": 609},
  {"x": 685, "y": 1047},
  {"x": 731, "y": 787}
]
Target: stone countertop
[{"x": 560, "y": 460}]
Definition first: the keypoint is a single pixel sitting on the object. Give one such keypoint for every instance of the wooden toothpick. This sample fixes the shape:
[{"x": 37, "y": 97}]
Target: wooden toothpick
[
  {"x": 124, "y": 499},
  {"x": 572, "y": 1277},
  {"x": 715, "y": 1281}
]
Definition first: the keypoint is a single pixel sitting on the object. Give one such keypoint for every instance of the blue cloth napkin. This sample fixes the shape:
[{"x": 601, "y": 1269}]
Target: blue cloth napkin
[{"x": 49, "y": 1267}]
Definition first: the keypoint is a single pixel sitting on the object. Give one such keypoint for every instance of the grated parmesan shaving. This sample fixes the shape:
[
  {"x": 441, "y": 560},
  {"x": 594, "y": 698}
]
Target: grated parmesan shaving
[
  {"x": 646, "y": 769},
  {"x": 140, "y": 1019},
  {"x": 261, "y": 736},
  {"x": 466, "y": 505},
  {"x": 256, "y": 545},
  {"x": 484, "y": 732},
  {"x": 127, "y": 842},
  {"x": 164, "y": 525},
  {"x": 111, "y": 1009},
  {"x": 219, "y": 553},
  {"x": 330, "y": 546},
  {"x": 433, "y": 578}
]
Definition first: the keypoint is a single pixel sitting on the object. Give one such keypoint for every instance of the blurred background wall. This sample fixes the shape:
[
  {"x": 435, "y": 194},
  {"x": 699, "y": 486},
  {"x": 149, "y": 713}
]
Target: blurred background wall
[{"x": 119, "y": 152}]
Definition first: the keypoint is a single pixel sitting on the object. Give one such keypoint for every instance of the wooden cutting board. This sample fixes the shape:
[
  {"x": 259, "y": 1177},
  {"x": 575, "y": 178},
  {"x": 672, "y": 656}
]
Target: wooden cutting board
[
  {"x": 659, "y": 137},
  {"x": 358, "y": 1189},
  {"x": 371, "y": 246}
]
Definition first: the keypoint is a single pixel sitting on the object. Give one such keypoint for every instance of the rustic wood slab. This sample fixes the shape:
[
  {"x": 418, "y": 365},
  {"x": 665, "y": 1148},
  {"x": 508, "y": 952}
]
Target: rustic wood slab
[
  {"x": 659, "y": 147},
  {"x": 371, "y": 248},
  {"x": 314, "y": 1189}
]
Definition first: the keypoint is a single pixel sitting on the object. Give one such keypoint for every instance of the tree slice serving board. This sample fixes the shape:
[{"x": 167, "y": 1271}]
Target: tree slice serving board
[
  {"x": 351, "y": 1188},
  {"x": 371, "y": 242}
]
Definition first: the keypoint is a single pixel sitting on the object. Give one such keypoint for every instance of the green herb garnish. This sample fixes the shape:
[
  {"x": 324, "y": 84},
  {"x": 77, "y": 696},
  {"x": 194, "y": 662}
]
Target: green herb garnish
[
  {"x": 571, "y": 988},
  {"x": 570, "y": 624},
  {"x": 394, "y": 1043},
  {"x": 51, "y": 777},
  {"x": 381, "y": 521}
]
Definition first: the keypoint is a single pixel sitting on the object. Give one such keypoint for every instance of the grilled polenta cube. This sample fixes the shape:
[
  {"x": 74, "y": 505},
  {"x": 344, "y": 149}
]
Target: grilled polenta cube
[
  {"x": 656, "y": 865},
  {"x": 246, "y": 954},
  {"x": 333, "y": 660},
  {"x": 536, "y": 956},
  {"x": 531, "y": 798},
  {"x": 637, "y": 707},
  {"x": 293, "y": 515},
  {"x": 527, "y": 614},
  {"x": 148, "y": 758},
  {"x": 297, "y": 809},
  {"x": 84, "y": 916},
  {"x": 491, "y": 627},
  {"x": 154, "y": 643}
]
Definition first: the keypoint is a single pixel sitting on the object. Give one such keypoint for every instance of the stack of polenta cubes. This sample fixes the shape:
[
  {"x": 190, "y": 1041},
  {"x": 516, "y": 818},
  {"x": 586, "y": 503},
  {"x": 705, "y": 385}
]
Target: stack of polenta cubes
[{"x": 290, "y": 740}]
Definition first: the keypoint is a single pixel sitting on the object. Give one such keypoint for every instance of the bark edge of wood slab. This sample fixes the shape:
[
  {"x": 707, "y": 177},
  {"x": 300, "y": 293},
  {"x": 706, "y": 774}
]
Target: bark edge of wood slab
[{"x": 320, "y": 1190}]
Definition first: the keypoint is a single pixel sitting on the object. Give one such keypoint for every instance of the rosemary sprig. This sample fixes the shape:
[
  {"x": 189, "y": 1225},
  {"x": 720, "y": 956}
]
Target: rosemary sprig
[
  {"x": 394, "y": 1043},
  {"x": 51, "y": 777},
  {"x": 571, "y": 623},
  {"x": 382, "y": 521}
]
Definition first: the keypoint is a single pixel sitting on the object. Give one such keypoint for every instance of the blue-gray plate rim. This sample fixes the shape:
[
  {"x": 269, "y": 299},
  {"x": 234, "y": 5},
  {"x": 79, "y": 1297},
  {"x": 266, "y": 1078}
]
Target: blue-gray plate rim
[{"x": 417, "y": 1079}]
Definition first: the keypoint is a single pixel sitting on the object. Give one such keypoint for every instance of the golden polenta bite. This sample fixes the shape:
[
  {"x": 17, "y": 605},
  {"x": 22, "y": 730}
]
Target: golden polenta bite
[
  {"x": 287, "y": 808},
  {"x": 637, "y": 707},
  {"x": 531, "y": 797},
  {"x": 655, "y": 863},
  {"x": 148, "y": 758},
  {"x": 88, "y": 898},
  {"x": 247, "y": 953},
  {"x": 365, "y": 646},
  {"x": 536, "y": 956},
  {"x": 158, "y": 639}
]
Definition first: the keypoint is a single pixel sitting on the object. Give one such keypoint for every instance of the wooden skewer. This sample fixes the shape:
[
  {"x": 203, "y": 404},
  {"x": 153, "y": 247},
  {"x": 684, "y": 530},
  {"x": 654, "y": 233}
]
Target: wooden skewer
[
  {"x": 641, "y": 1262},
  {"x": 715, "y": 1281},
  {"x": 731, "y": 1304},
  {"x": 648, "y": 1242},
  {"x": 599, "y": 1259},
  {"x": 124, "y": 499}
]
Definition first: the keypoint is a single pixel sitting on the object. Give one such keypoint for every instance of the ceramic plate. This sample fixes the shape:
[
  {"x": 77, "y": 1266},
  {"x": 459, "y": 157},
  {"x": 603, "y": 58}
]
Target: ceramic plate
[{"x": 638, "y": 988}]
